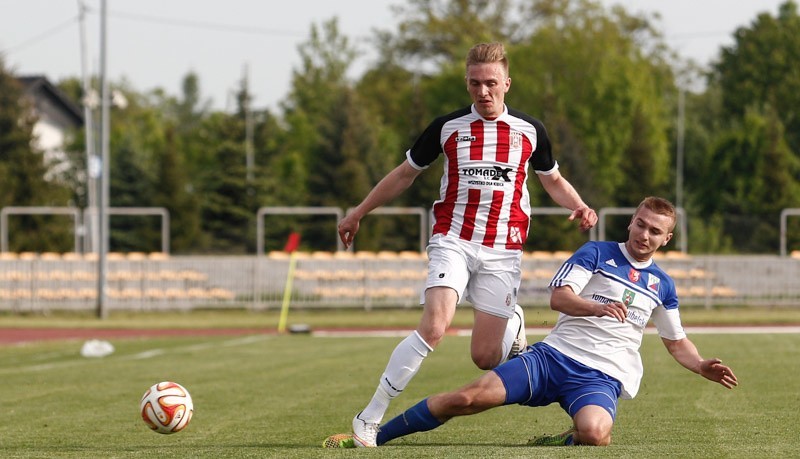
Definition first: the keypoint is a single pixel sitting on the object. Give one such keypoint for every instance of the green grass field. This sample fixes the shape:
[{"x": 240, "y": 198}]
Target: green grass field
[
  {"x": 539, "y": 316},
  {"x": 276, "y": 396}
]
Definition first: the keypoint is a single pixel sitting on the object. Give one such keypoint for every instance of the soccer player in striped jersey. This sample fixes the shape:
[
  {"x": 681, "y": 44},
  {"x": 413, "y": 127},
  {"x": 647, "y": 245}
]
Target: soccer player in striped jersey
[
  {"x": 606, "y": 293},
  {"x": 481, "y": 222}
]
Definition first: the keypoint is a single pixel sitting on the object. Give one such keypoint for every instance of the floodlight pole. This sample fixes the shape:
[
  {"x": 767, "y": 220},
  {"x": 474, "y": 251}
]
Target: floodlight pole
[
  {"x": 102, "y": 202},
  {"x": 89, "y": 237},
  {"x": 679, "y": 147}
]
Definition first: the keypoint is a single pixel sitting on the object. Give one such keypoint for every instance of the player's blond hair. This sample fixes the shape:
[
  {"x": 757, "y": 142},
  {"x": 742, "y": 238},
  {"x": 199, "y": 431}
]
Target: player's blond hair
[
  {"x": 487, "y": 53},
  {"x": 660, "y": 206}
]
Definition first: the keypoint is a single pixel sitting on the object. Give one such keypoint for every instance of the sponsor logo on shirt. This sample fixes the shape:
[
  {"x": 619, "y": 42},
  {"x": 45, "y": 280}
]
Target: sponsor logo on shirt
[
  {"x": 466, "y": 138},
  {"x": 496, "y": 173},
  {"x": 611, "y": 262}
]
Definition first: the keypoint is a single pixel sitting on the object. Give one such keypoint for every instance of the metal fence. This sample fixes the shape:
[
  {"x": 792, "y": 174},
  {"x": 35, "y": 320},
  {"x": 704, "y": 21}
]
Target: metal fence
[{"x": 366, "y": 280}]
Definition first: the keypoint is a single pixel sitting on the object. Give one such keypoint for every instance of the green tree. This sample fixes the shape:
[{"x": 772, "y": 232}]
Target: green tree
[
  {"x": 751, "y": 175},
  {"x": 227, "y": 210},
  {"x": 22, "y": 172},
  {"x": 760, "y": 69}
]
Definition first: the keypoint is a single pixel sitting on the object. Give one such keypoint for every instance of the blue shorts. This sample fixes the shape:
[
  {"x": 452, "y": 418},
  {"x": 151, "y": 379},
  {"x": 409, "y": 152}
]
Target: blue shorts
[{"x": 541, "y": 375}]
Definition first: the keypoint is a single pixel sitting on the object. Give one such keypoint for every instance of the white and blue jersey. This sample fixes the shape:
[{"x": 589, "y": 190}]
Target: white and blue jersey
[{"x": 604, "y": 272}]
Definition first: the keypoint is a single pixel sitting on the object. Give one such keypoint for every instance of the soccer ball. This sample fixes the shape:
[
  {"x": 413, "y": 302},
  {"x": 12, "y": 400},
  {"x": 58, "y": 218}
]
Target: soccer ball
[{"x": 167, "y": 407}]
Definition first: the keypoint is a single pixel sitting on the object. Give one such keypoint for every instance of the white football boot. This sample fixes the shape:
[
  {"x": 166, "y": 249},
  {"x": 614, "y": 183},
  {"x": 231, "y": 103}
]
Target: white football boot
[{"x": 365, "y": 434}]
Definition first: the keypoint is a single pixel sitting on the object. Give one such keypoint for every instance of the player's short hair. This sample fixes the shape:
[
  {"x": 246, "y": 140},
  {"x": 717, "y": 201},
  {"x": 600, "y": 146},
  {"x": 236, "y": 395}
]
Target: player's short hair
[
  {"x": 487, "y": 53},
  {"x": 660, "y": 206}
]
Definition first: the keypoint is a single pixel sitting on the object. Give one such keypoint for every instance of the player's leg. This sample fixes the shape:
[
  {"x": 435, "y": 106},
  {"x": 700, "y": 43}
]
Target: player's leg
[
  {"x": 593, "y": 425},
  {"x": 405, "y": 361},
  {"x": 487, "y": 353},
  {"x": 488, "y": 346},
  {"x": 590, "y": 398},
  {"x": 448, "y": 274},
  {"x": 499, "y": 326},
  {"x": 480, "y": 395}
]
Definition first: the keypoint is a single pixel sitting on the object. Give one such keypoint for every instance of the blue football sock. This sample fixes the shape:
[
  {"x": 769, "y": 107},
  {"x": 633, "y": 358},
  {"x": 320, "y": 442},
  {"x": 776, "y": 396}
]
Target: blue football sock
[{"x": 418, "y": 418}]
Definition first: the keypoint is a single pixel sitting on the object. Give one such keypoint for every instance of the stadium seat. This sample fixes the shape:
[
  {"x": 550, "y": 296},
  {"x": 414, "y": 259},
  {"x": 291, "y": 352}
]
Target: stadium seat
[
  {"x": 192, "y": 275},
  {"x": 700, "y": 273},
  {"x": 678, "y": 274},
  {"x": 9, "y": 256},
  {"x": 349, "y": 274},
  {"x": 343, "y": 255},
  {"x": 723, "y": 291},
  {"x": 82, "y": 275},
  {"x": 677, "y": 255},
  {"x": 539, "y": 255},
  {"x": 130, "y": 293},
  {"x": 59, "y": 275},
  {"x": 87, "y": 293},
  {"x": 196, "y": 293},
  {"x": 218, "y": 293},
  {"x": 697, "y": 290}
]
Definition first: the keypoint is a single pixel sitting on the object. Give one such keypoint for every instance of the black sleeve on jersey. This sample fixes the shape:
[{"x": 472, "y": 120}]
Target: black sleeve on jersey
[
  {"x": 542, "y": 157},
  {"x": 428, "y": 146}
]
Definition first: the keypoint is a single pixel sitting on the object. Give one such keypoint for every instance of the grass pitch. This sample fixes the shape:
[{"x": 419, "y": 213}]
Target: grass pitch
[{"x": 270, "y": 396}]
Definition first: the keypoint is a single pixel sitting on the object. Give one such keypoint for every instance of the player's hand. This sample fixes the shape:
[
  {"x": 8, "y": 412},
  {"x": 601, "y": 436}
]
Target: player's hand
[
  {"x": 616, "y": 310},
  {"x": 714, "y": 370},
  {"x": 587, "y": 217},
  {"x": 348, "y": 228}
]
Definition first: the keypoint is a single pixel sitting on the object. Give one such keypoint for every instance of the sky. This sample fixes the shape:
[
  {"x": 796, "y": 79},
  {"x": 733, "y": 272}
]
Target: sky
[{"x": 155, "y": 44}]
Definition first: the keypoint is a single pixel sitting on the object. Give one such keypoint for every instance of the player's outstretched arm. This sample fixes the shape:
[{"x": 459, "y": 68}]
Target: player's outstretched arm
[
  {"x": 685, "y": 352},
  {"x": 564, "y": 194},
  {"x": 395, "y": 182}
]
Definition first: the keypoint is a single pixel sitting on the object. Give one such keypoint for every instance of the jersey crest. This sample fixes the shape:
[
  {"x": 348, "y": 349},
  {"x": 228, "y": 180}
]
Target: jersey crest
[
  {"x": 627, "y": 297},
  {"x": 653, "y": 282}
]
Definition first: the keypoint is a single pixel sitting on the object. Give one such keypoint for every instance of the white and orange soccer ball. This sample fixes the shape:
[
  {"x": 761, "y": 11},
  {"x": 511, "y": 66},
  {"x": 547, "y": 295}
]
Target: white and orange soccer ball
[{"x": 167, "y": 407}]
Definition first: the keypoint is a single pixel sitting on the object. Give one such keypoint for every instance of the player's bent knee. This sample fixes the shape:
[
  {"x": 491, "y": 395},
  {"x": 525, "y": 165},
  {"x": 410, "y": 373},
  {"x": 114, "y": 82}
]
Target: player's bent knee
[
  {"x": 594, "y": 437},
  {"x": 485, "y": 362}
]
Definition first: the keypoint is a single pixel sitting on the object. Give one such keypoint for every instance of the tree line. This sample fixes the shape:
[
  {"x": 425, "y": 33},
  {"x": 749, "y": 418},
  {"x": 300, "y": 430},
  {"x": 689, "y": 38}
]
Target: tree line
[{"x": 603, "y": 81}]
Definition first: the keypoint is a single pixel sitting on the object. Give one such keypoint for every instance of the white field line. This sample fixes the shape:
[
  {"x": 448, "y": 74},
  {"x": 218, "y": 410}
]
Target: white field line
[
  {"x": 543, "y": 331},
  {"x": 150, "y": 353}
]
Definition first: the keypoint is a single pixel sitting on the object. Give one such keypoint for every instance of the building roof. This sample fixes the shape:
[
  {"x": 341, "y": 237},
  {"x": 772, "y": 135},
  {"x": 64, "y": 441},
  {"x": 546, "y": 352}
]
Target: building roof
[{"x": 38, "y": 85}]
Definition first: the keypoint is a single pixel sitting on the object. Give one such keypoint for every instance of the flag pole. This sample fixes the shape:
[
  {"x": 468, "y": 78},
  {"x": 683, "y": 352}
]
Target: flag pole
[{"x": 291, "y": 247}]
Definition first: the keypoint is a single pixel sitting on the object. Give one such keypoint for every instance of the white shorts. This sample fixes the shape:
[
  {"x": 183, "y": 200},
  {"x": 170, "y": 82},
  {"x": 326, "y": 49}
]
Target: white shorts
[{"x": 486, "y": 277}]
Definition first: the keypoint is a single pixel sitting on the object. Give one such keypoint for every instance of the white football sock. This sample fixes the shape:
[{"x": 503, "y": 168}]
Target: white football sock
[
  {"x": 512, "y": 328},
  {"x": 403, "y": 365}
]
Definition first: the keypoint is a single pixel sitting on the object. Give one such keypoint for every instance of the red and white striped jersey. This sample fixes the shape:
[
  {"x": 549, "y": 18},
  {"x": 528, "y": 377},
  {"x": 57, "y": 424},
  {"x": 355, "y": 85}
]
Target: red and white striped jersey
[{"x": 483, "y": 195}]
